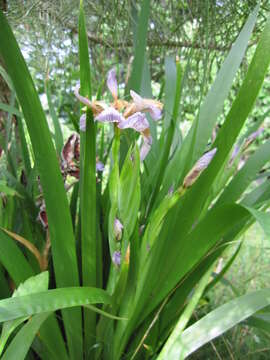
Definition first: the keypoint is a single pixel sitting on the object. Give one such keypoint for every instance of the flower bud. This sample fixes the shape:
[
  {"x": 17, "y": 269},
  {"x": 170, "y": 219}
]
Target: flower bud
[
  {"x": 116, "y": 258},
  {"x": 197, "y": 169},
  {"x": 118, "y": 228}
]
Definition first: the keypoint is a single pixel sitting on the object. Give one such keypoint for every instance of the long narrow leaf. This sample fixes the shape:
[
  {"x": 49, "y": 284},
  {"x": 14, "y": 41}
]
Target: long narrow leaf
[
  {"x": 51, "y": 300},
  {"x": 20, "y": 345},
  {"x": 220, "y": 320},
  {"x": 59, "y": 219},
  {"x": 88, "y": 184},
  {"x": 58, "y": 136},
  {"x": 168, "y": 351},
  {"x": 140, "y": 46}
]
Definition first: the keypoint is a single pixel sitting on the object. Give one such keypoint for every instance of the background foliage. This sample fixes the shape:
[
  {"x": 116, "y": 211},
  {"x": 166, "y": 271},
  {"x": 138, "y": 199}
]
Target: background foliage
[{"x": 47, "y": 34}]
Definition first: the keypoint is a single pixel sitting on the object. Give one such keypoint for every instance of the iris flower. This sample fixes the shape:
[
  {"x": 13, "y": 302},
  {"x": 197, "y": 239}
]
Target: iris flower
[{"x": 126, "y": 115}]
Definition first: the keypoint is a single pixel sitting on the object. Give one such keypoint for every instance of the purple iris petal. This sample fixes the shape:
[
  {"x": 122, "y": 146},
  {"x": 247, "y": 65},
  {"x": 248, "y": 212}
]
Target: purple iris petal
[
  {"x": 155, "y": 112},
  {"x": 110, "y": 115},
  {"x": 99, "y": 166},
  {"x": 83, "y": 122},
  {"x": 146, "y": 146},
  {"x": 82, "y": 99},
  {"x": 136, "y": 97},
  {"x": 116, "y": 258},
  {"x": 136, "y": 121},
  {"x": 146, "y": 105},
  {"x": 112, "y": 82}
]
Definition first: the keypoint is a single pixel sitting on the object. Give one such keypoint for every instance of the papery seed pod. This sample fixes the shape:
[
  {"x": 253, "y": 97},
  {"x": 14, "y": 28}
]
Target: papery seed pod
[
  {"x": 42, "y": 216},
  {"x": 70, "y": 157},
  {"x": 118, "y": 228},
  {"x": 74, "y": 171},
  {"x": 68, "y": 151},
  {"x": 197, "y": 169},
  {"x": 77, "y": 149}
]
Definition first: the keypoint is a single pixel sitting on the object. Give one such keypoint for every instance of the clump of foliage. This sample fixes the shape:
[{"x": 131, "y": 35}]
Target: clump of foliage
[{"x": 133, "y": 223}]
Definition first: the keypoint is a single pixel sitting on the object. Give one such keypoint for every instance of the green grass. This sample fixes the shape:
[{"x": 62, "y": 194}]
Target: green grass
[{"x": 249, "y": 272}]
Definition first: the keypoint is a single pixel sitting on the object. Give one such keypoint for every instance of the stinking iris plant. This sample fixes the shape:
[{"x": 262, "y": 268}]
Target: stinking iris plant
[{"x": 144, "y": 245}]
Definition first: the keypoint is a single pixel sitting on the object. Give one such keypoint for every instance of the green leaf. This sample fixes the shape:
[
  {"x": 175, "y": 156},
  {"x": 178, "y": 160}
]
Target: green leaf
[
  {"x": 164, "y": 272},
  {"x": 51, "y": 336},
  {"x": 4, "y": 286},
  {"x": 212, "y": 106},
  {"x": 257, "y": 196},
  {"x": 129, "y": 192},
  {"x": 25, "y": 151},
  {"x": 21, "y": 343},
  {"x": 168, "y": 264},
  {"x": 140, "y": 47},
  {"x": 7, "y": 190},
  {"x": 32, "y": 285},
  {"x": 218, "y": 321},
  {"x": 190, "y": 209},
  {"x": 167, "y": 351},
  {"x": 260, "y": 321},
  {"x": 155, "y": 224},
  {"x": 170, "y": 89},
  {"x": 218, "y": 277},
  {"x": 168, "y": 137},
  {"x": 51, "y": 300},
  {"x": 263, "y": 219},
  {"x": 246, "y": 174},
  {"x": 88, "y": 185},
  {"x": 18, "y": 269},
  {"x": 7, "y": 79},
  {"x": 58, "y": 136},
  {"x": 59, "y": 219},
  {"x": 10, "y": 109}
]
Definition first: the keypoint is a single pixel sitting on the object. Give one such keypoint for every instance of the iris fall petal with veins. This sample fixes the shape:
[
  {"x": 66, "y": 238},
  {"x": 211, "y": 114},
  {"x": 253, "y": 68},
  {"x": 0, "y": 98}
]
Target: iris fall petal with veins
[{"x": 127, "y": 115}]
